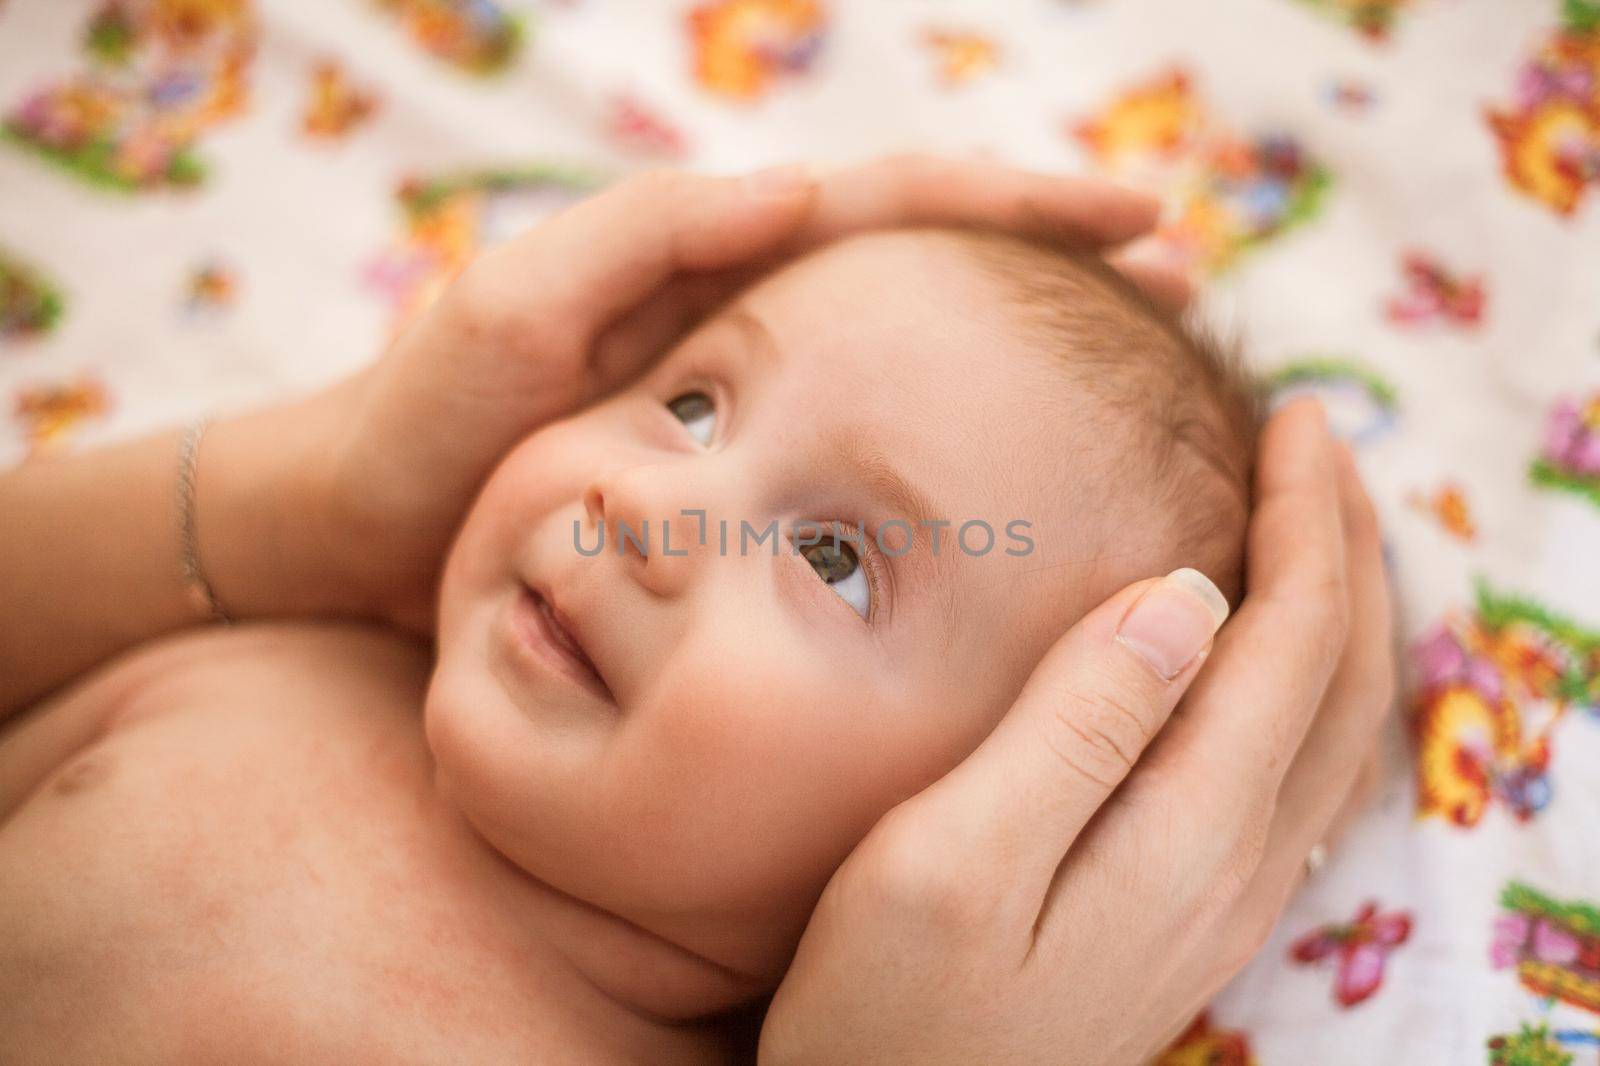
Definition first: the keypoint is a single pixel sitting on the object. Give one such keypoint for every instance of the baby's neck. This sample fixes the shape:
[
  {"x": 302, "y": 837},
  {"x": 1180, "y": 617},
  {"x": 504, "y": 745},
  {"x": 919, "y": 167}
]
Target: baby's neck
[{"x": 648, "y": 975}]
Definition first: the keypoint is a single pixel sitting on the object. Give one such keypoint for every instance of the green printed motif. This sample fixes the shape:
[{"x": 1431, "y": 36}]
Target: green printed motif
[{"x": 29, "y": 305}]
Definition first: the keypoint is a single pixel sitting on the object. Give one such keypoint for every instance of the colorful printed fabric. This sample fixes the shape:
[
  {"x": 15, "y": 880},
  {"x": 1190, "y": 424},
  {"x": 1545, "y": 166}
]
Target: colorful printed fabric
[
  {"x": 1232, "y": 191},
  {"x": 1359, "y": 948},
  {"x": 29, "y": 305},
  {"x": 1570, "y": 458},
  {"x": 450, "y": 218},
  {"x": 152, "y": 77},
  {"x": 477, "y": 36},
  {"x": 1554, "y": 946},
  {"x": 1550, "y": 132},
  {"x": 1394, "y": 203},
  {"x": 1491, "y": 687}
]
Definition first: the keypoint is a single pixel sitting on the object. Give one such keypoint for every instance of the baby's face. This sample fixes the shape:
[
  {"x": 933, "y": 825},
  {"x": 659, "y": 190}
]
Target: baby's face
[{"x": 760, "y": 711}]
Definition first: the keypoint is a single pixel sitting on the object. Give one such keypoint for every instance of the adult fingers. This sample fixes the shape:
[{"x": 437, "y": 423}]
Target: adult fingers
[
  {"x": 910, "y": 190},
  {"x": 647, "y": 332},
  {"x": 1167, "y": 286},
  {"x": 562, "y": 282},
  {"x": 1327, "y": 767},
  {"x": 1100, "y": 693},
  {"x": 1246, "y": 716},
  {"x": 663, "y": 317},
  {"x": 907, "y": 190},
  {"x": 1355, "y": 801},
  {"x": 903, "y": 190},
  {"x": 1248, "y": 713}
]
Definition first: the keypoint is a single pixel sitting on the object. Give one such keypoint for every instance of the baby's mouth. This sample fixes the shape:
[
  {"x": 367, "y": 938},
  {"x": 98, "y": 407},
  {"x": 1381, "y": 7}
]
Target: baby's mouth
[{"x": 539, "y": 618}]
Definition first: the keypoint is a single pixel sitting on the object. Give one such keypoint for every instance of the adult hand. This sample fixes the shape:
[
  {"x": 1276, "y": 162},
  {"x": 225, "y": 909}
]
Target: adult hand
[
  {"x": 578, "y": 306},
  {"x": 1043, "y": 904},
  {"x": 343, "y": 502}
]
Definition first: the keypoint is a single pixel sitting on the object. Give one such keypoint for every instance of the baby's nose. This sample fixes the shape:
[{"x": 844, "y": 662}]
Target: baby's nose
[
  {"x": 594, "y": 505},
  {"x": 634, "y": 509}
]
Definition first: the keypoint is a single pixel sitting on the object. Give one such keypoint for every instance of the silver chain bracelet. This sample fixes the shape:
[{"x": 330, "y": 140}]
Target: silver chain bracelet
[{"x": 195, "y": 583}]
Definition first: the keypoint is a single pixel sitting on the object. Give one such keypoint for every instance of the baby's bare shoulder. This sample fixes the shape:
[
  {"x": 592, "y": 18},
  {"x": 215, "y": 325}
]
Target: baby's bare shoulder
[
  {"x": 291, "y": 662},
  {"x": 290, "y": 672},
  {"x": 222, "y": 808}
]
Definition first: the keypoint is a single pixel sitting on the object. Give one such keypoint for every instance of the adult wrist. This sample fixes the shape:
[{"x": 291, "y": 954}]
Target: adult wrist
[
  {"x": 265, "y": 526},
  {"x": 202, "y": 598}
]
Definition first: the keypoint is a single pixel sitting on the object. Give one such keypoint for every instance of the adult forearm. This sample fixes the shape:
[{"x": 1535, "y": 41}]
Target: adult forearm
[{"x": 90, "y": 544}]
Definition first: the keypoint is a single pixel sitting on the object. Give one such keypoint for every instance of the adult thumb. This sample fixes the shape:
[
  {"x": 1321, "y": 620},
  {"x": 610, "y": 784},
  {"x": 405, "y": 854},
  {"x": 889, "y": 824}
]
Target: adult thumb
[{"x": 1099, "y": 695}]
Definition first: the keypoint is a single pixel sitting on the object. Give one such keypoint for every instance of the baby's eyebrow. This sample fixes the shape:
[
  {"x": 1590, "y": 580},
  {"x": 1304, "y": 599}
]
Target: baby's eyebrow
[
  {"x": 761, "y": 344},
  {"x": 851, "y": 447},
  {"x": 866, "y": 463}
]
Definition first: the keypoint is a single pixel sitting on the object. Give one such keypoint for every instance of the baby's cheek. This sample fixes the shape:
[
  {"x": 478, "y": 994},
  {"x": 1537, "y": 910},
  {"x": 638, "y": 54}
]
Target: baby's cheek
[
  {"x": 552, "y": 464},
  {"x": 829, "y": 762},
  {"x": 546, "y": 471},
  {"x": 729, "y": 771}
]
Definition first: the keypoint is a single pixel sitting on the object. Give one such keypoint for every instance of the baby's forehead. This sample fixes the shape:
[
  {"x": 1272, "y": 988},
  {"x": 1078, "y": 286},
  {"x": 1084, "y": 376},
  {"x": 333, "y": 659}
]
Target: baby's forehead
[
  {"x": 899, "y": 340},
  {"x": 913, "y": 358},
  {"x": 884, "y": 309},
  {"x": 892, "y": 270}
]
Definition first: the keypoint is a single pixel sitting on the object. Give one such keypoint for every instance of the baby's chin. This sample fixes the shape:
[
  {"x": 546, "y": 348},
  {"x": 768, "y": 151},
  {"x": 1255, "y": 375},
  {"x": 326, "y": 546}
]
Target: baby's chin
[{"x": 448, "y": 741}]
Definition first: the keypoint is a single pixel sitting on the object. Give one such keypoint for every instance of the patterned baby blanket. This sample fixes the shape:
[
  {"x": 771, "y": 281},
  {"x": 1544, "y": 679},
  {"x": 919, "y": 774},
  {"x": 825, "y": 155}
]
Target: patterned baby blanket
[{"x": 208, "y": 203}]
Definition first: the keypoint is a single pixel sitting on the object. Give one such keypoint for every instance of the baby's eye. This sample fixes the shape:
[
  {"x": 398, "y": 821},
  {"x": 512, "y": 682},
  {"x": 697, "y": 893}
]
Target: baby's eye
[
  {"x": 696, "y": 411},
  {"x": 836, "y": 562}
]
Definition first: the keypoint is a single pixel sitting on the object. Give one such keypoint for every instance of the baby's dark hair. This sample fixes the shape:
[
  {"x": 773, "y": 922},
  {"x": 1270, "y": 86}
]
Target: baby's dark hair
[{"x": 1181, "y": 398}]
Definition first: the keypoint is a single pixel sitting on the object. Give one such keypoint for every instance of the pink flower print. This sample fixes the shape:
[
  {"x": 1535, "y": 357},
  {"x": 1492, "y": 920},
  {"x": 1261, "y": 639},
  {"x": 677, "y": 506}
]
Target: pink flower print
[
  {"x": 1554, "y": 945},
  {"x": 1438, "y": 657},
  {"x": 1562, "y": 431},
  {"x": 1585, "y": 455},
  {"x": 1510, "y": 933}
]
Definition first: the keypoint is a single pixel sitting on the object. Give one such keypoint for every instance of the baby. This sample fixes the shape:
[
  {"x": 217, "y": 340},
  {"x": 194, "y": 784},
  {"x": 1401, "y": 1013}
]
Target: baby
[{"x": 666, "y": 700}]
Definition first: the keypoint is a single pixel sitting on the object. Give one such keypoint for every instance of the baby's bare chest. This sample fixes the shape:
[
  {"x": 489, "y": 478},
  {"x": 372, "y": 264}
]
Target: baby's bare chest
[{"x": 253, "y": 866}]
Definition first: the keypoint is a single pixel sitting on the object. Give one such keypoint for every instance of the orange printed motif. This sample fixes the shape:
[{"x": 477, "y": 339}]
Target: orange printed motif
[
  {"x": 336, "y": 106},
  {"x": 1549, "y": 133},
  {"x": 962, "y": 55},
  {"x": 50, "y": 413},
  {"x": 1492, "y": 686},
  {"x": 1447, "y": 505},
  {"x": 449, "y": 219},
  {"x": 1229, "y": 192},
  {"x": 212, "y": 287},
  {"x": 477, "y": 36},
  {"x": 1157, "y": 120},
  {"x": 1203, "y": 1045},
  {"x": 742, "y": 46}
]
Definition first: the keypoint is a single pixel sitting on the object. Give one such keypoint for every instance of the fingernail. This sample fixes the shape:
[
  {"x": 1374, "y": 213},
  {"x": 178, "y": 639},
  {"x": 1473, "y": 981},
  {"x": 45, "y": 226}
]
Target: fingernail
[
  {"x": 1173, "y": 621},
  {"x": 788, "y": 179}
]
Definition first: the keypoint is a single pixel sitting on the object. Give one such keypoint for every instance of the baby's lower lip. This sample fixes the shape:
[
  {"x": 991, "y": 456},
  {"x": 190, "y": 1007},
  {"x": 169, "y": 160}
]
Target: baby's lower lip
[{"x": 539, "y": 632}]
